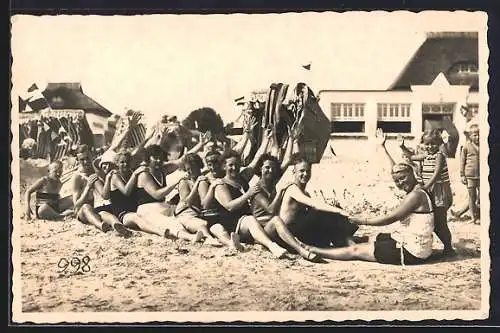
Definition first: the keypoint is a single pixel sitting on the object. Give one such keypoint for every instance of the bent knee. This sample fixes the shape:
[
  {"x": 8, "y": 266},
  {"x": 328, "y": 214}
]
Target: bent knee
[{"x": 217, "y": 228}]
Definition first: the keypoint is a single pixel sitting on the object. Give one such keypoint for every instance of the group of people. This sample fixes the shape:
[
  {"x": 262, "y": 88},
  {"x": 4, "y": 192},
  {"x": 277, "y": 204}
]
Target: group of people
[{"x": 220, "y": 202}]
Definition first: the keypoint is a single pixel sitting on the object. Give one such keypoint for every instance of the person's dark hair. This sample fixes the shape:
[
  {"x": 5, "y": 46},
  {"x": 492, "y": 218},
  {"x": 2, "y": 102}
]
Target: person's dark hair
[
  {"x": 124, "y": 153},
  {"x": 213, "y": 155},
  {"x": 153, "y": 151},
  {"x": 298, "y": 158},
  {"x": 193, "y": 160},
  {"x": 266, "y": 157},
  {"x": 231, "y": 154},
  {"x": 434, "y": 136}
]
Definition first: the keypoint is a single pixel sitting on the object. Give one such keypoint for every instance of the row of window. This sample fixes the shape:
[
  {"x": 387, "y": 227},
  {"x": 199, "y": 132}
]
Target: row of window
[{"x": 400, "y": 111}]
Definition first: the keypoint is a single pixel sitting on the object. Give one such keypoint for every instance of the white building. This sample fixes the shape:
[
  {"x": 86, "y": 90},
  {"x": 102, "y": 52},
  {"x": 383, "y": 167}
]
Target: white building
[{"x": 440, "y": 78}]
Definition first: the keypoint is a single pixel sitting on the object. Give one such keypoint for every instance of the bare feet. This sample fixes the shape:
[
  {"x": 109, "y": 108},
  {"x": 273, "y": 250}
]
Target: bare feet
[
  {"x": 198, "y": 237},
  {"x": 68, "y": 212},
  {"x": 122, "y": 230},
  {"x": 235, "y": 242},
  {"x": 105, "y": 227},
  {"x": 278, "y": 251},
  {"x": 449, "y": 252},
  {"x": 166, "y": 234}
]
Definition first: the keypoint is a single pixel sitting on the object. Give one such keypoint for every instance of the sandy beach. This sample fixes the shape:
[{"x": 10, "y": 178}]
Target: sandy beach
[{"x": 148, "y": 273}]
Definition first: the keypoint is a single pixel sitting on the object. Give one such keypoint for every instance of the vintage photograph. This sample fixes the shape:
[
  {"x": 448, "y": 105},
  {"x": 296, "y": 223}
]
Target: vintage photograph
[{"x": 262, "y": 167}]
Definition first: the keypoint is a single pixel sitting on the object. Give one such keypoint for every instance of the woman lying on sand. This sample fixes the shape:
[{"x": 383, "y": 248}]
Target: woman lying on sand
[
  {"x": 150, "y": 192},
  {"x": 49, "y": 205},
  {"x": 411, "y": 244}
]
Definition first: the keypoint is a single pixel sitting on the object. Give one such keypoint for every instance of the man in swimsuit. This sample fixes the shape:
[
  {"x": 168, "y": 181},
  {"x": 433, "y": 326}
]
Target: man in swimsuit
[
  {"x": 311, "y": 220},
  {"x": 83, "y": 184},
  {"x": 48, "y": 204}
]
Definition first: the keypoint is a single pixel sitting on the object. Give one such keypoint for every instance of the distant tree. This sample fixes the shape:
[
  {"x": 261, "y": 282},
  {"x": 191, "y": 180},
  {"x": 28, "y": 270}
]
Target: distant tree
[{"x": 205, "y": 119}]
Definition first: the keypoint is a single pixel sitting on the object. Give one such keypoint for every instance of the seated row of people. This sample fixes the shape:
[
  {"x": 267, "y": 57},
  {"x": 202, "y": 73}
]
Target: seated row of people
[{"x": 219, "y": 207}]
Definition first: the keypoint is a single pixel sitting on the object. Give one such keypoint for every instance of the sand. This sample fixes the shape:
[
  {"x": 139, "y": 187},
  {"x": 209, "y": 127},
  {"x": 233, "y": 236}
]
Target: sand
[{"x": 148, "y": 273}]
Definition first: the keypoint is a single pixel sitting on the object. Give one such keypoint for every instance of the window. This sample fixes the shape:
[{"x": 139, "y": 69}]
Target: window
[
  {"x": 463, "y": 68},
  {"x": 442, "y": 108},
  {"x": 394, "y": 117},
  {"x": 348, "y": 117}
]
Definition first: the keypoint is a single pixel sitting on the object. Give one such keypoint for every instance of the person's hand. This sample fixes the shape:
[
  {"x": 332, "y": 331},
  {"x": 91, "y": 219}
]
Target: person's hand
[
  {"x": 250, "y": 124},
  {"x": 464, "y": 180},
  {"x": 205, "y": 137},
  {"x": 400, "y": 140},
  {"x": 150, "y": 132},
  {"x": 140, "y": 169},
  {"x": 254, "y": 189},
  {"x": 200, "y": 179},
  {"x": 217, "y": 182},
  {"x": 380, "y": 137},
  {"x": 92, "y": 179},
  {"x": 111, "y": 173},
  {"x": 134, "y": 119}
]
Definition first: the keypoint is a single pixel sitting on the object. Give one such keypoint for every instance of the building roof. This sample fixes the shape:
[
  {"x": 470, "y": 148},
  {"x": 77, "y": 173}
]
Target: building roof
[
  {"x": 441, "y": 53},
  {"x": 71, "y": 96}
]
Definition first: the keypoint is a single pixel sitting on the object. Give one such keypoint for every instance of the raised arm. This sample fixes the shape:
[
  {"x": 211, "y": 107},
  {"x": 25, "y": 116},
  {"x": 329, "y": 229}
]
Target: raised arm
[
  {"x": 248, "y": 126},
  {"x": 171, "y": 166},
  {"x": 140, "y": 147},
  {"x": 381, "y": 139},
  {"x": 294, "y": 133},
  {"x": 247, "y": 171},
  {"x": 437, "y": 170},
  {"x": 409, "y": 204}
]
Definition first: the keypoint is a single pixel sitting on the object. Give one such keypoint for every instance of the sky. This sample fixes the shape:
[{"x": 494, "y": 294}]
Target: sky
[{"x": 173, "y": 64}]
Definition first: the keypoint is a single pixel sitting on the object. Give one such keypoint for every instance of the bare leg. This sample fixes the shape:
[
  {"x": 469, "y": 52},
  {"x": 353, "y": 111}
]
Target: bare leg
[
  {"x": 472, "y": 203},
  {"x": 177, "y": 230},
  {"x": 194, "y": 224},
  {"x": 132, "y": 219},
  {"x": 459, "y": 213},
  {"x": 363, "y": 252},
  {"x": 46, "y": 212},
  {"x": 87, "y": 214},
  {"x": 249, "y": 225},
  {"x": 221, "y": 234},
  {"x": 117, "y": 225},
  {"x": 276, "y": 227},
  {"x": 442, "y": 231}
]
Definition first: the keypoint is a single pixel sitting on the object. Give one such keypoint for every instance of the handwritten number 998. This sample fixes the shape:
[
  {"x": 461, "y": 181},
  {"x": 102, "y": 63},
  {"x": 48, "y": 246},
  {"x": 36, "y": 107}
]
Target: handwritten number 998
[{"x": 76, "y": 263}]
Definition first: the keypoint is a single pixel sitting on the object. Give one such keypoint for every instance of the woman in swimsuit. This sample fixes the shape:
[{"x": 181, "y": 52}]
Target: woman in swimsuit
[
  {"x": 49, "y": 205},
  {"x": 119, "y": 190},
  {"x": 188, "y": 209},
  {"x": 411, "y": 244},
  {"x": 150, "y": 192}
]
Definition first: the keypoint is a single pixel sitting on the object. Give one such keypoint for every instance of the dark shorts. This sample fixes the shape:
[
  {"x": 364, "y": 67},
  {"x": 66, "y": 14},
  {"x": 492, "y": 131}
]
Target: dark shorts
[
  {"x": 442, "y": 194},
  {"x": 472, "y": 182},
  {"x": 104, "y": 208},
  {"x": 53, "y": 205},
  {"x": 387, "y": 252},
  {"x": 323, "y": 229}
]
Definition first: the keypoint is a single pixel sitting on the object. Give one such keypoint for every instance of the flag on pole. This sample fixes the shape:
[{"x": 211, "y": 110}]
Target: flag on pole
[
  {"x": 307, "y": 67},
  {"x": 34, "y": 99}
]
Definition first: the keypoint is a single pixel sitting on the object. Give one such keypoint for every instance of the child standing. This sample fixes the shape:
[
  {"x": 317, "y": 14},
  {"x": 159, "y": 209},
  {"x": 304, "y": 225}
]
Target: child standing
[
  {"x": 469, "y": 170},
  {"x": 436, "y": 180}
]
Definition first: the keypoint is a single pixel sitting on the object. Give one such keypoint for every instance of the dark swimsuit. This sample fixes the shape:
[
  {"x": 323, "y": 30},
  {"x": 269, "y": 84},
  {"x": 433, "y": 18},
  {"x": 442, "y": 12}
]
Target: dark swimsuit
[
  {"x": 121, "y": 203},
  {"x": 143, "y": 197},
  {"x": 50, "y": 199},
  {"x": 229, "y": 220}
]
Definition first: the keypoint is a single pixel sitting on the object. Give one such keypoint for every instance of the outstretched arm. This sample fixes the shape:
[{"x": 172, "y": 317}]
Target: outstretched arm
[
  {"x": 223, "y": 196},
  {"x": 300, "y": 197},
  {"x": 169, "y": 166},
  {"x": 409, "y": 204},
  {"x": 33, "y": 188}
]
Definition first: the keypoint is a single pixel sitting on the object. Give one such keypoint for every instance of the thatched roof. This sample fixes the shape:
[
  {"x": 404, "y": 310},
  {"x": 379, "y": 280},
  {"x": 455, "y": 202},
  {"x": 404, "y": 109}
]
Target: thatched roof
[
  {"x": 70, "y": 96},
  {"x": 441, "y": 53}
]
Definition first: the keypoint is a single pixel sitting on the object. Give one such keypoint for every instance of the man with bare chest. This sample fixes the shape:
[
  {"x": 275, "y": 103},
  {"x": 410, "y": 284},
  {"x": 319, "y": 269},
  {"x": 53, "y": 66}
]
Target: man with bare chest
[{"x": 310, "y": 220}]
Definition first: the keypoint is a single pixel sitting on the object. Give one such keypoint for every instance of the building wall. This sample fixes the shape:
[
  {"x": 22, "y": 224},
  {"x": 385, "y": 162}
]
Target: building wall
[{"x": 412, "y": 102}]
